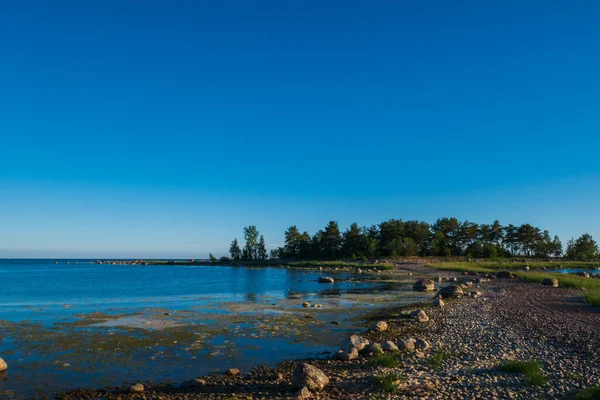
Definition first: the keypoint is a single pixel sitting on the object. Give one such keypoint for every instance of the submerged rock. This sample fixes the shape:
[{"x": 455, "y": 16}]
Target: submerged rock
[
  {"x": 424, "y": 285},
  {"x": 326, "y": 279},
  {"x": 309, "y": 376}
]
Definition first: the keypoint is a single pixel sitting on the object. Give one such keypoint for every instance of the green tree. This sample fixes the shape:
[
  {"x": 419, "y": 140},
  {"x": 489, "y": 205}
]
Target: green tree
[
  {"x": 261, "y": 251},
  {"x": 556, "y": 248},
  {"x": 212, "y": 258},
  {"x": 235, "y": 251},
  {"x": 354, "y": 241},
  {"x": 331, "y": 240},
  {"x": 251, "y": 248},
  {"x": 584, "y": 248}
]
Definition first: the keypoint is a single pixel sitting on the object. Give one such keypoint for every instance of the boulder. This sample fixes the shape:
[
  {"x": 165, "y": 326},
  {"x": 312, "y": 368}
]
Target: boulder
[
  {"x": 347, "y": 356},
  {"x": 389, "y": 346},
  {"x": 380, "y": 326},
  {"x": 550, "y": 282},
  {"x": 137, "y": 388},
  {"x": 453, "y": 279},
  {"x": 404, "y": 314},
  {"x": 475, "y": 294},
  {"x": 375, "y": 348},
  {"x": 193, "y": 383},
  {"x": 505, "y": 275},
  {"x": 584, "y": 274},
  {"x": 526, "y": 268},
  {"x": 438, "y": 302},
  {"x": 306, "y": 304},
  {"x": 3, "y": 366},
  {"x": 406, "y": 344},
  {"x": 326, "y": 279},
  {"x": 420, "y": 315},
  {"x": 358, "y": 342},
  {"x": 450, "y": 291},
  {"x": 422, "y": 344},
  {"x": 424, "y": 285},
  {"x": 233, "y": 372},
  {"x": 310, "y": 376},
  {"x": 303, "y": 393}
]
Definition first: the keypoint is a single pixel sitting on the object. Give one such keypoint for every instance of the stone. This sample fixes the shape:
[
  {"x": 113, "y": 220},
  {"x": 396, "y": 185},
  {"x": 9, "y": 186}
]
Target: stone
[
  {"x": 318, "y": 306},
  {"x": 526, "y": 268},
  {"x": 326, "y": 279},
  {"x": 380, "y": 326},
  {"x": 406, "y": 344},
  {"x": 421, "y": 316},
  {"x": 453, "y": 279},
  {"x": 404, "y": 314},
  {"x": 584, "y": 274},
  {"x": 389, "y": 346},
  {"x": 450, "y": 291},
  {"x": 306, "y": 304},
  {"x": 347, "y": 356},
  {"x": 137, "y": 388},
  {"x": 505, "y": 275},
  {"x": 438, "y": 302},
  {"x": 375, "y": 348},
  {"x": 475, "y": 294},
  {"x": 309, "y": 376},
  {"x": 334, "y": 322},
  {"x": 233, "y": 372},
  {"x": 550, "y": 282},
  {"x": 424, "y": 285},
  {"x": 422, "y": 344},
  {"x": 3, "y": 365},
  {"x": 193, "y": 383},
  {"x": 303, "y": 393},
  {"x": 355, "y": 341}
]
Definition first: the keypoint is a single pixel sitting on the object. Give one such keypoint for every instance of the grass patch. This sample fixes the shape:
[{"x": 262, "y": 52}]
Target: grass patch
[
  {"x": 531, "y": 369},
  {"x": 387, "y": 383},
  {"x": 590, "y": 285},
  {"x": 341, "y": 264},
  {"x": 591, "y": 393},
  {"x": 437, "y": 359},
  {"x": 384, "y": 360}
]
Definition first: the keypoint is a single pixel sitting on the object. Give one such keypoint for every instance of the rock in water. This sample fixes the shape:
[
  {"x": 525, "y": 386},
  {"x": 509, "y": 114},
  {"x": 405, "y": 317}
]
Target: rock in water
[
  {"x": 310, "y": 376},
  {"x": 380, "y": 326},
  {"x": 424, "y": 285},
  {"x": 358, "y": 342},
  {"x": 233, "y": 372},
  {"x": 3, "y": 366},
  {"x": 451, "y": 291},
  {"x": 326, "y": 279},
  {"x": 306, "y": 304},
  {"x": 550, "y": 282}
]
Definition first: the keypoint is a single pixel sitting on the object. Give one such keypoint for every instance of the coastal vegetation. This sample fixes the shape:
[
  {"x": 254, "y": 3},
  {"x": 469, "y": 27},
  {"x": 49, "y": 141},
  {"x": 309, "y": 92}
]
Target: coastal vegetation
[
  {"x": 387, "y": 383},
  {"x": 531, "y": 369},
  {"x": 447, "y": 237}
]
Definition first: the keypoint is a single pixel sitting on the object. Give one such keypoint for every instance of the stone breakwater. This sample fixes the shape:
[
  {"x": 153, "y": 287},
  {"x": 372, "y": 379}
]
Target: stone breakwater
[{"x": 453, "y": 351}]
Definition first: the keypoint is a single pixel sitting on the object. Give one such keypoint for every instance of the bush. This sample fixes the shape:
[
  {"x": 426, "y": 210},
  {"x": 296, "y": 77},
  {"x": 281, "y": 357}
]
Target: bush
[
  {"x": 387, "y": 382},
  {"x": 531, "y": 369},
  {"x": 384, "y": 360}
]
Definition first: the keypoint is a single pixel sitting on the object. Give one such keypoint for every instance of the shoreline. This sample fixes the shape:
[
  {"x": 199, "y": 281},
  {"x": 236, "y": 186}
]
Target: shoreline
[{"x": 469, "y": 340}]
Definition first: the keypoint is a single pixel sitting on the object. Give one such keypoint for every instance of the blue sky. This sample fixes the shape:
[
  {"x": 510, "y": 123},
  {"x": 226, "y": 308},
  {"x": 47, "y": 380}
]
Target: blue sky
[{"x": 160, "y": 129}]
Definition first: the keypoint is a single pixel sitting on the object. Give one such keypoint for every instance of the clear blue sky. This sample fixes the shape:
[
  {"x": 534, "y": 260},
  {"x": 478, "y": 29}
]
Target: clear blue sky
[{"x": 160, "y": 128}]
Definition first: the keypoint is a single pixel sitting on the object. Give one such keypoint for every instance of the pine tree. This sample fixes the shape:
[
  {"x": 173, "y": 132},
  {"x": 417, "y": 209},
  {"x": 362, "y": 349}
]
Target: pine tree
[
  {"x": 235, "y": 251},
  {"x": 261, "y": 250}
]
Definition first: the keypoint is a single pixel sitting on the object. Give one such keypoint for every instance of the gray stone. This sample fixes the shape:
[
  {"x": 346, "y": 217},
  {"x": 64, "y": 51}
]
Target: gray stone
[
  {"x": 137, "y": 388},
  {"x": 422, "y": 344},
  {"x": 355, "y": 341},
  {"x": 389, "y": 346},
  {"x": 380, "y": 326},
  {"x": 406, "y": 344},
  {"x": 450, "y": 291},
  {"x": 424, "y": 285},
  {"x": 310, "y": 376},
  {"x": 375, "y": 348},
  {"x": 550, "y": 282}
]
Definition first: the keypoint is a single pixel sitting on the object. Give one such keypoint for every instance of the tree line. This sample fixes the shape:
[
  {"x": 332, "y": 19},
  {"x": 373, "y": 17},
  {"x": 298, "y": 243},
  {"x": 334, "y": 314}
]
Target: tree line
[{"x": 397, "y": 238}]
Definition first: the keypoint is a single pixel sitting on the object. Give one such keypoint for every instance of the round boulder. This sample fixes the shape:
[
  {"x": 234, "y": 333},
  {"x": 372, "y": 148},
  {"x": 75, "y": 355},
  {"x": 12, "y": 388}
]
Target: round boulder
[
  {"x": 505, "y": 275},
  {"x": 354, "y": 341},
  {"x": 420, "y": 315},
  {"x": 310, "y": 376},
  {"x": 406, "y": 344},
  {"x": 375, "y": 348},
  {"x": 422, "y": 344},
  {"x": 438, "y": 302},
  {"x": 550, "y": 282},
  {"x": 3, "y": 366},
  {"x": 424, "y": 285},
  {"x": 584, "y": 274},
  {"x": 451, "y": 291},
  {"x": 380, "y": 326},
  {"x": 389, "y": 346}
]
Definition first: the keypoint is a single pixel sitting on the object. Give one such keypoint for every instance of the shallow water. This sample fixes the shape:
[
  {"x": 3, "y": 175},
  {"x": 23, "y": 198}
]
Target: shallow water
[
  {"x": 82, "y": 324},
  {"x": 576, "y": 270}
]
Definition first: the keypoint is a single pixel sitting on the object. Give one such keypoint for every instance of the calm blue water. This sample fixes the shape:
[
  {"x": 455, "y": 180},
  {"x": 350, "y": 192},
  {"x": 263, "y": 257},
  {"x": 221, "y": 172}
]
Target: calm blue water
[
  {"x": 576, "y": 270},
  {"x": 39, "y": 299}
]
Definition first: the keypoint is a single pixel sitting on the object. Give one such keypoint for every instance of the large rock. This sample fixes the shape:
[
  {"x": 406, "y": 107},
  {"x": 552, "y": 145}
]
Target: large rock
[
  {"x": 303, "y": 393},
  {"x": 406, "y": 344},
  {"x": 233, "y": 372},
  {"x": 438, "y": 302},
  {"x": 375, "y": 348},
  {"x": 450, "y": 291},
  {"x": 326, "y": 279},
  {"x": 424, "y": 285},
  {"x": 380, "y": 326},
  {"x": 421, "y": 316},
  {"x": 389, "y": 346},
  {"x": 137, "y": 388},
  {"x": 422, "y": 344},
  {"x": 347, "y": 356},
  {"x": 584, "y": 274},
  {"x": 550, "y": 282},
  {"x": 3, "y": 366},
  {"x": 310, "y": 376},
  {"x": 358, "y": 342},
  {"x": 505, "y": 275}
]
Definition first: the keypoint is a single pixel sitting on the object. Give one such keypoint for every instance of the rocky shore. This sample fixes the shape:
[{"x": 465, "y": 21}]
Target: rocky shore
[{"x": 454, "y": 348}]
